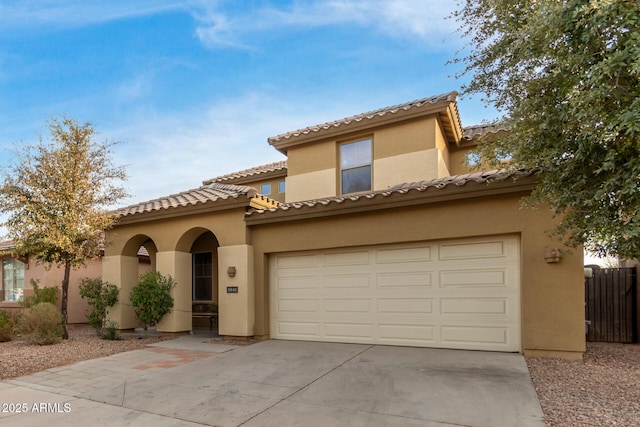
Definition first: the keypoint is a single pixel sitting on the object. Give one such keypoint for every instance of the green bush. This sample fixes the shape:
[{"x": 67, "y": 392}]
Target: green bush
[
  {"x": 151, "y": 298},
  {"x": 46, "y": 294},
  {"x": 41, "y": 324},
  {"x": 100, "y": 296},
  {"x": 7, "y": 325}
]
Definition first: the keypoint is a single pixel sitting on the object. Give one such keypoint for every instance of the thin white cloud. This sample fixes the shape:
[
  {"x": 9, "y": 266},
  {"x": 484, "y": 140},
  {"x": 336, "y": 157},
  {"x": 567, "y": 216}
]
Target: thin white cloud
[
  {"x": 424, "y": 21},
  {"x": 169, "y": 153}
]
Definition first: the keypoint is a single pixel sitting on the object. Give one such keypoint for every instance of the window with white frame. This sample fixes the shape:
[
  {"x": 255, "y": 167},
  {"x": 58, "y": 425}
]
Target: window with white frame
[
  {"x": 265, "y": 189},
  {"x": 12, "y": 280},
  {"x": 355, "y": 166}
]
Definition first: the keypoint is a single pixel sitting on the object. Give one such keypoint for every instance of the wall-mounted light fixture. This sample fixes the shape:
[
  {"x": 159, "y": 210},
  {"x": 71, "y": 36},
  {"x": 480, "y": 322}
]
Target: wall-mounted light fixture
[
  {"x": 552, "y": 255},
  {"x": 231, "y": 271}
]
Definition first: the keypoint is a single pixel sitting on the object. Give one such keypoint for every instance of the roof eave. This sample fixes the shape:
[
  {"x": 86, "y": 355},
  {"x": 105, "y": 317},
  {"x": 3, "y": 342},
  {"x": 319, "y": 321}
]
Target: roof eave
[
  {"x": 412, "y": 197},
  {"x": 445, "y": 108},
  {"x": 180, "y": 211},
  {"x": 249, "y": 178}
]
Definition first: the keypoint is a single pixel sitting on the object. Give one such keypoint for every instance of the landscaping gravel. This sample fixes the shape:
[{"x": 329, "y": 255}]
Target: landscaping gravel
[
  {"x": 601, "y": 390},
  {"x": 19, "y": 358}
]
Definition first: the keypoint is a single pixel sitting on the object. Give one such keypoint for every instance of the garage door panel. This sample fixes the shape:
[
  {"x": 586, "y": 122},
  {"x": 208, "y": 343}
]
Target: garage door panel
[
  {"x": 472, "y": 250},
  {"x": 474, "y": 278},
  {"x": 293, "y": 330},
  {"x": 465, "y": 306},
  {"x": 404, "y": 279},
  {"x": 339, "y": 305},
  {"x": 298, "y": 305},
  {"x": 346, "y": 281},
  {"x": 417, "y": 335},
  {"x": 297, "y": 282},
  {"x": 297, "y": 261},
  {"x": 403, "y": 255},
  {"x": 362, "y": 332},
  {"x": 456, "y": 294},
  {"x": 474, "y": 334},
  {"x": 405, "y": 305},
  {"x": 346, "y": 258}
]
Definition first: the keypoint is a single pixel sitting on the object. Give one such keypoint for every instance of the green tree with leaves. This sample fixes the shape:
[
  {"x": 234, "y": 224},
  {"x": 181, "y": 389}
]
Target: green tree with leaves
[
  {"x": 566, "y": 76},
  {"x": 56, "y": 195}
]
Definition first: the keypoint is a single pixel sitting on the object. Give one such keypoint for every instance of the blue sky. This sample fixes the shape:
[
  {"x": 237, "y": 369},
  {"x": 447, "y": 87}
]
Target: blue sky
[{"x": 193, "y": 88}]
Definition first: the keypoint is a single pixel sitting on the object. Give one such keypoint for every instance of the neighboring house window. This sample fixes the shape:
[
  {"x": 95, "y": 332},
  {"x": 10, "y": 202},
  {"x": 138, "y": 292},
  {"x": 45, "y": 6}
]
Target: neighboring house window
[
  {"x": 355, "y": 166},
  {"x": 281, "y": 187},
  {"x": 203, "y": 276},
  {"x": 265, "y": 189},
  {"x": 12, "y": 280}
]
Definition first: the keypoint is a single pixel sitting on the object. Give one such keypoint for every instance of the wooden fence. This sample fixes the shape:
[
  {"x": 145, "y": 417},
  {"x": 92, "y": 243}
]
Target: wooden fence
[{"x": 611, "y": 307}]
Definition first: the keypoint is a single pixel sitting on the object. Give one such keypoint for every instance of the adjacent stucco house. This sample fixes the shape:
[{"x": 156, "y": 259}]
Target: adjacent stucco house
[
  {"x": 18, "y": 272},
  {"x": 372, "y": 231}
]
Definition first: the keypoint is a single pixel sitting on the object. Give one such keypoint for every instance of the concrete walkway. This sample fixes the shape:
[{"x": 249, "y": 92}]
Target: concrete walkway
[{"x": 190, "y": 381}]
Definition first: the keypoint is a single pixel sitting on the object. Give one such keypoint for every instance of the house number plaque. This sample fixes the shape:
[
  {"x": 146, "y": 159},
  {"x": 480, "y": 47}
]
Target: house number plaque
[{"x": 232, "y": 289}]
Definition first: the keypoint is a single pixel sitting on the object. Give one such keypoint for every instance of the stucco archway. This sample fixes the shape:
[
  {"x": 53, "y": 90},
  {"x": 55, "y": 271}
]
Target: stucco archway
[{"x": 137, "y": 256}]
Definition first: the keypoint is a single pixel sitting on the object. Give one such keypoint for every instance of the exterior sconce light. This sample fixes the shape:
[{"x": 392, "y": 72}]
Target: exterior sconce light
[
  {"x": 231, "y": 271},
  {"x": 552, "y": 255}
]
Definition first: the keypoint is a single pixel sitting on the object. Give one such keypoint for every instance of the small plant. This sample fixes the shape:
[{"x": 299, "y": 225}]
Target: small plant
[
  {"x": 151, "y": 298},
  {"x": 111, "y": 331},
  {"x": 7, "y": 325},
  {"x": 41, "y": 324},
  {"x": 100, "y": 296},
  {"x": 46, "y": 294}
]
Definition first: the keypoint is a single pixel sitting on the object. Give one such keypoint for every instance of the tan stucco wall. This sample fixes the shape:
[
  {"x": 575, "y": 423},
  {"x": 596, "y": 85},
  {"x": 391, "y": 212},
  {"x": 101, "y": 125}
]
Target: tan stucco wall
[
  {"x": 552, "y": 295},
  {"x": 312, "y": 185},
  {"x": 410, "y": 151},
  {"x": 457, "y": 165}
]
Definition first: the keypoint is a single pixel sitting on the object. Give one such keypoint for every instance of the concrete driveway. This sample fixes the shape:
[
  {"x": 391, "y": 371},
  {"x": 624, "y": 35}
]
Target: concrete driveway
[{"x": 187, "y": 382}]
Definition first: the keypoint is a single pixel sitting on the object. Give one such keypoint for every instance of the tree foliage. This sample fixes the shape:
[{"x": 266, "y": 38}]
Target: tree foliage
[
  {"x": 566, "y": 76},
  {"x": 56, "y": 195}
]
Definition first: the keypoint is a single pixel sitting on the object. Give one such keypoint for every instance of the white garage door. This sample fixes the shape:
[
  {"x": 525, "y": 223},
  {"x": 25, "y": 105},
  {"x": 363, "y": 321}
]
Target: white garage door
[{"x": 451, "y": 294}]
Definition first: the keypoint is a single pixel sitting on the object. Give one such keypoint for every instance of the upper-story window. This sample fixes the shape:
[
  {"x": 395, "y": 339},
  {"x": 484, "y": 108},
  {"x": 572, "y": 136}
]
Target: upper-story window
[
  {"x": 265, "y": 189},
  {"x": 281, "y": 187},
  {"x": 355, "y": 166}
]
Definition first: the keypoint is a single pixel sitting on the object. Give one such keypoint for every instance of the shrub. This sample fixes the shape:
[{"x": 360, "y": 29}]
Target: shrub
[
  {"x": 100, "y": 296},
  {"x": 46, "y": 294},
  {"x": 151, "y": 298},
  {"x": 7, "y": 325},
  {"x": 41, "y": 324},
  {"x": 111, "y": 330}
]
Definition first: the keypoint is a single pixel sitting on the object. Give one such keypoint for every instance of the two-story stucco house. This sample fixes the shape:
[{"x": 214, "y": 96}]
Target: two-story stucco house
[{"x": 372, "y": 231}]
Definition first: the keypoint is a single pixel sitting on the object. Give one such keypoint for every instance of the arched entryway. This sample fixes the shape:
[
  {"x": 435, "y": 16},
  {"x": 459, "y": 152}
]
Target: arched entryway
[
  {"x": 204, "y": 282},
  {"x": 138, "y": 256}
]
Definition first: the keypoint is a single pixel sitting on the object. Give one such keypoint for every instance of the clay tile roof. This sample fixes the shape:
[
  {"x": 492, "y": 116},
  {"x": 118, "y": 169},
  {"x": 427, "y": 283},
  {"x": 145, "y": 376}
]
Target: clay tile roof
[
  {"x": 422, "y": 186},
  {"x": 251, "y": 172},
  {"x": 451, "y": 96},
  {"x": 7, "y": 245},
  {"x": 207, "y": 193},
  {"x": 471, "y": 132}
]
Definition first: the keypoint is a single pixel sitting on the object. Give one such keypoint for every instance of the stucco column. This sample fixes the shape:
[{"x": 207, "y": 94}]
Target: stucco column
[
  {"x": 178, "y": 266},
  {"x": 236, "y": 309},
  {"x": 121, "y": 271}
]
